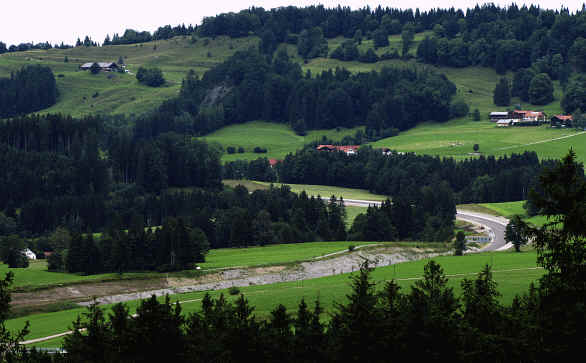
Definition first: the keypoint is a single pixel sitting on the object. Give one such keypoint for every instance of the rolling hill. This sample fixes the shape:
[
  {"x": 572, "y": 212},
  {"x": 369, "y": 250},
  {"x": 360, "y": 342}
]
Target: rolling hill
[{"x": 118, "y": 93}]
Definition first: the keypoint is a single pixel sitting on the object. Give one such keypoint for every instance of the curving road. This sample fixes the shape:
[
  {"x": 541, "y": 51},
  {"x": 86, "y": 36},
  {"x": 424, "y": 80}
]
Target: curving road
[{"x": 495, "y": 225}]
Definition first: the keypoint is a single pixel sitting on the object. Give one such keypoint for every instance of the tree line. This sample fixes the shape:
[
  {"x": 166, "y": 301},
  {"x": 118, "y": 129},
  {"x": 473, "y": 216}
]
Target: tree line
[
  {"x": 30, "y": 89},
  {"x": 484, "y": 179},
  {"x": 375, "y": 321},
  {"x": 386, "y": 101}
]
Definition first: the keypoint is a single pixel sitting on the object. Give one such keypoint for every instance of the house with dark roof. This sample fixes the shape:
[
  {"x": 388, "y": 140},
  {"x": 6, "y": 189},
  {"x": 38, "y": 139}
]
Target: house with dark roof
[
  {"x": 104, "y": 66},
  {"x": 562, "y": 121}
]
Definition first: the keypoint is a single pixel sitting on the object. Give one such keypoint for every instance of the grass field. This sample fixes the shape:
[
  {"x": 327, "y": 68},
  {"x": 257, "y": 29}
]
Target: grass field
[
  {"x": 507, "y": 209},
  {"x": 121, "y": 93},
  {"x": 512, "y": 271},
  {"x": 326, "y": 191},
  {"x": 36, "y": 276},
  {"x": 274, "y": 254},
  {"x": 278, "y": 139}
]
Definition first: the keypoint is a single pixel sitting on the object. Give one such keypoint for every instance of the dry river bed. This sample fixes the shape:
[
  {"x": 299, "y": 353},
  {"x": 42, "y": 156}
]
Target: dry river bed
[{"x": 126, "y": 290}]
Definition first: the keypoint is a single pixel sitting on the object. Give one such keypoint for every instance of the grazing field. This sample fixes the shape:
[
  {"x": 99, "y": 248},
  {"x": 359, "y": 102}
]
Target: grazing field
[
  {"x": 37, "y": 276},
  {"x": 121, "y": 93},
  {"x": 351, "y": 213},
  {"x": 272, "y": 254},
  {"x": 507, "y": 209},
  {"x": 278, "y": 139},
  {"x": 514, "y": 272},
  {"x": 326, "y": 191}
]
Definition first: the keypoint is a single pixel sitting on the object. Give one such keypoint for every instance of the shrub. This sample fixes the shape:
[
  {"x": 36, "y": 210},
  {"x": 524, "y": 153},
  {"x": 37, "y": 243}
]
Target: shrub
[
  {"x": 240, "y": 150},
  {"x": 260, "y": 150},
  {"x": 351, "y": 248},
  {"x": 152, "y": 77},
  {"x": 230, "y": 149},
  {"x": 234, "y": 290},
  {"x": 458, "y": 108}
]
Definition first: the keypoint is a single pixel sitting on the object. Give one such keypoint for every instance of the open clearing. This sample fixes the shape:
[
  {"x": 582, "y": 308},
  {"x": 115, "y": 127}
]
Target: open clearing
[
  {"x": 512, "y": 271},
  {"x": 325, "y": 191},
  {"x": 278, "y": 139}
]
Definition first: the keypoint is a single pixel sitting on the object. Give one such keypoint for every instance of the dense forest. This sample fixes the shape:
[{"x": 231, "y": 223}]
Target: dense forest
[
  {"x": 427, "y": 321},
  {"x": 484, "y": 179},
  {"x": 388, "y": 101},
  {"x": 30, "y": 89}
]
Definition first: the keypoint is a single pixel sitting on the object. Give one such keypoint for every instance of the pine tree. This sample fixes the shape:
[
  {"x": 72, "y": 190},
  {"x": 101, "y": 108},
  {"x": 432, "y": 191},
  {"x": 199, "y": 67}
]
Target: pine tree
[{"x": 502, "y": 93}]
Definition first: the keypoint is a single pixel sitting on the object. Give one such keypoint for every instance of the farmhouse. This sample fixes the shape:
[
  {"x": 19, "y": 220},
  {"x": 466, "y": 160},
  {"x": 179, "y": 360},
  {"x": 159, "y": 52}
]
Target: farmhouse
[
  {"x": 104, "y": 66},
  {"x": 496, "y": 116},
  {"x": 274, "y": 162},
  {"x": 348, "y": 149},
  {"x": 29, "y": 254},
  {"x": 505, "y": 123},
  {"x": 562, "y": 121},
  {"x": 528, "y": 117}
]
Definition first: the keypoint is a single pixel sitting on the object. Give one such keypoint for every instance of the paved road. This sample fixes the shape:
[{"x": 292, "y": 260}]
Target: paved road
[{"x": 495, "y": 225}]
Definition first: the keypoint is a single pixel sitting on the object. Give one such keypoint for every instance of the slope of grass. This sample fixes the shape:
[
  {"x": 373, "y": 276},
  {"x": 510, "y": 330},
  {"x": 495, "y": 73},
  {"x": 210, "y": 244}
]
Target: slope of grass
[
  {"x": 327, "y": 191},
  {"x": 506, "y": 209},
  {"x": 273, "y": 254},
  {"x": 122, "y": 94},
  {"x": 278, "y": 139},
  {"x": 36, "y": 275},
  {"x": 513, "y": 273}
]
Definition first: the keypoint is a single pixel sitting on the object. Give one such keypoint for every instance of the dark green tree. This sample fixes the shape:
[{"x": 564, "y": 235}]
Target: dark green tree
[
  {"x": 407, "y": 36},
  {"x": 515, "y": 232},
  {"x": 502, "y": 93},
  {"x": 10, "y": 348},
  {"x": 476, "y": 115},
  {"x": 541, "y": 90},
  {"x": 460, "y": 243},
  {"x": 380, "y": 38}
]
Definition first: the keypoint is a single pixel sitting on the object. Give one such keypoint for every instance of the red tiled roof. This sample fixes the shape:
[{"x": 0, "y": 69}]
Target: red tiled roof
[
  {"x": 564, "y": 117},
  {"x": 344, "y": 148},
  {"x": 273, "y": 162}
]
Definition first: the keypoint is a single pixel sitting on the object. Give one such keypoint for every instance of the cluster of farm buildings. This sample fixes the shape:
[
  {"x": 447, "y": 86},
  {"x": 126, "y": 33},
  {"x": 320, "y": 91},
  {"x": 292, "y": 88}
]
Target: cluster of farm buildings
[
  {"x": 348, "y": 149},
  {"x": 528, "y": 118}
]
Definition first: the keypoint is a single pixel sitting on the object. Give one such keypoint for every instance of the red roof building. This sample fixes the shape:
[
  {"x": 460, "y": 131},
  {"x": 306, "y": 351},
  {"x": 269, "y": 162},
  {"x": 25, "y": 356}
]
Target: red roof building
[{"x": 348, "y": 149}]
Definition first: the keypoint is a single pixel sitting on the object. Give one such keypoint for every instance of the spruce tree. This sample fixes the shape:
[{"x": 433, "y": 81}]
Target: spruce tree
[{"x": 502, "y": 93}]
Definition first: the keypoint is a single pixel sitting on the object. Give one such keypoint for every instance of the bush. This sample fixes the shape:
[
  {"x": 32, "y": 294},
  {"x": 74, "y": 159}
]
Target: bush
[
  {"x": 458, "y": 108},
  {"x": 230, "y": 149},
  {"x": 234, "y": 290},
  {"x": 152, "y": 77},
  {"x": 240, "y": 150},
  {"x": 351, "y": 248},
  {"x": 260, "y": 150}
]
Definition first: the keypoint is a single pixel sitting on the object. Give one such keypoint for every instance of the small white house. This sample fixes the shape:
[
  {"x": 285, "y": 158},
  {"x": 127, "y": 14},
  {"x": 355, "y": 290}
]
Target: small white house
[{"x": 29, "y": 254}]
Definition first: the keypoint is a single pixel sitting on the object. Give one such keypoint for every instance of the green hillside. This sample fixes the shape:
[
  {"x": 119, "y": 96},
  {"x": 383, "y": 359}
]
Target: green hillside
[
  {"x": 278, "y": 139},
  {"x": 121, "y": 93},
  {"x": 115, "y": 93}
]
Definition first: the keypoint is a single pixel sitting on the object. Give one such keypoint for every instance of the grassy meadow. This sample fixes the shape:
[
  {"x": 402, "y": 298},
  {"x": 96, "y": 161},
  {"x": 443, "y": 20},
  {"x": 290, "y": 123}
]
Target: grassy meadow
[
  {"x": 506, "y": 209},
  {"x": 278, "y": 139},
  {"x": 114, "y": 93},
  {"x": 273, "y": 254},
  {"x": 512, "y": 271}
]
